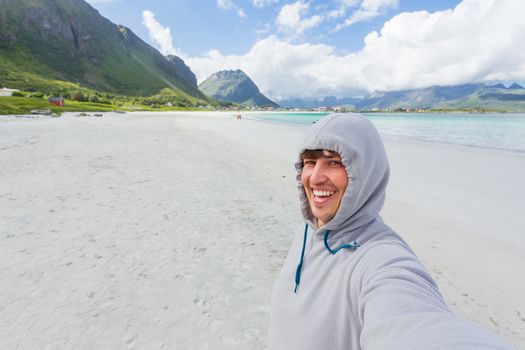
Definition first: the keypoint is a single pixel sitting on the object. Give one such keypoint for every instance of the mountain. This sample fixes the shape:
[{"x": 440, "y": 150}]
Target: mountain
[
  {"x": 508, "y": 99},
  {"x": 414, "y": 98},
  {"x": 424, "y": 98},
  {"x": 68, "y": 40},
  {"x": 497, "y": 86},
  {"x": 465, "y": 96},
  {"x": 515, "y": 86},
  {"x": 184, "y": 71},
  {"x": 235, "y": 86}
]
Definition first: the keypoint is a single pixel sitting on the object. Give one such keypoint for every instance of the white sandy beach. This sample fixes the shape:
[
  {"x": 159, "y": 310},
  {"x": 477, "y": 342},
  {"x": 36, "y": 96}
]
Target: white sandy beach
[{"x": 167, "y": 230}]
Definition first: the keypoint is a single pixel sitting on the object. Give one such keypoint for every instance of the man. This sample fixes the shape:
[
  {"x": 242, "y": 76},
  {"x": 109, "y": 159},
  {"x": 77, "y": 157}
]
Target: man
[{"x": 349, "y": 281}]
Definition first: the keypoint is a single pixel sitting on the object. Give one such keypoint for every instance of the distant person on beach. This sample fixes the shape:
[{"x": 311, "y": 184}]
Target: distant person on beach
[{"x": 349, "y": 281}]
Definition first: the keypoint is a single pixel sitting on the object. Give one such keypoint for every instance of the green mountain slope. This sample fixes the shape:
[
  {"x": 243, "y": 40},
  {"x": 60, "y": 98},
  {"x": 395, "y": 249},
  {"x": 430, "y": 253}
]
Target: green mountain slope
[
  {"x": 235, "y": 86},
  {"x": 418, "y": 98},
  {"x": 464, "y": 96},
  {"x": 510, "y": 99},
  {"x": 68, "y": 40}
]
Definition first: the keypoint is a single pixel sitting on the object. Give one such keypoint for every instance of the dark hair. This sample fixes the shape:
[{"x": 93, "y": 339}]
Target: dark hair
[{"x": 316, "y": 154}]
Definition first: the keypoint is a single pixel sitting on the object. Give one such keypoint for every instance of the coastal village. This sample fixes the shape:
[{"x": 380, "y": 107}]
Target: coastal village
[{"x": 59, "y": 101}]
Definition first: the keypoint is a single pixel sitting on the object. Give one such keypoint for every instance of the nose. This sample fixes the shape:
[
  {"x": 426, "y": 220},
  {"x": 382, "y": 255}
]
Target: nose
[{"x": 318, "y": 175}]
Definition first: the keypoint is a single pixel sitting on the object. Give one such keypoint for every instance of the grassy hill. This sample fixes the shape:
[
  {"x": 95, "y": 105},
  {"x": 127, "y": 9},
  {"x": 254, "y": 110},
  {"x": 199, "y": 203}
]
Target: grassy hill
[
  {"x": 82, "y": 99},
  {"x": 50, "y": 45}
]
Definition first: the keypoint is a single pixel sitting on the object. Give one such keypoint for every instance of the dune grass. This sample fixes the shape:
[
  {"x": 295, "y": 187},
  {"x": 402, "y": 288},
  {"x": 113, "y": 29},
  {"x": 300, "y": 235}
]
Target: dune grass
[{"x": 24, "y": 105}]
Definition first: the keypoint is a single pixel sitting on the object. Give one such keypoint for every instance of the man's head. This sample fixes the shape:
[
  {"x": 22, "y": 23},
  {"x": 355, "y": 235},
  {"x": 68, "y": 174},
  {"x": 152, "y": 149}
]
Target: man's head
[
  {"x": 324, "y": 179},
  {"x": 358, "y": 177}
]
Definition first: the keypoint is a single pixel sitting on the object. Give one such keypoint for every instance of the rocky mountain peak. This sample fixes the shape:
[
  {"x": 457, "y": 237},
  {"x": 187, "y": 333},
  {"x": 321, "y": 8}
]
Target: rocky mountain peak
[{"x": 235, "y": 86}]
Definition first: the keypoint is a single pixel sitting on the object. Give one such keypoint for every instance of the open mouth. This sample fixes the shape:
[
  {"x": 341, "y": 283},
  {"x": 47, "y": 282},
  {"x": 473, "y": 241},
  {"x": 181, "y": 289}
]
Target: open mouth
[{"x": 321, "y": 197}]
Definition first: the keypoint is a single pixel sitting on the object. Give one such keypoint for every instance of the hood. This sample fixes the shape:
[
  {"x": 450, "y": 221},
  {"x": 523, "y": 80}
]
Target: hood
[{"x": 362, "y": 152}]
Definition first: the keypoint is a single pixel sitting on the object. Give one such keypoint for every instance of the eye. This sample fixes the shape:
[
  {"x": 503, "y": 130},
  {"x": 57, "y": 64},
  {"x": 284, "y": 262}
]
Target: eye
[
  {"x": 335, "y": 163},
  {"x": 308, "y": 163}
]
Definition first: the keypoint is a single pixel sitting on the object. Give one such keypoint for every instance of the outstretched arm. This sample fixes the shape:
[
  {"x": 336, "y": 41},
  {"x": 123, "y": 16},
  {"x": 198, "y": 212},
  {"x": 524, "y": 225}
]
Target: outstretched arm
[{"x": 400, "y": 307}]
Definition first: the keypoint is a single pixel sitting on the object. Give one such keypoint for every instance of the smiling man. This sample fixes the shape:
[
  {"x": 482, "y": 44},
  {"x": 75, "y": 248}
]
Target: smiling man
[
  {"x": 349, "y": 281},
  {"x": 324, "y": 180}
]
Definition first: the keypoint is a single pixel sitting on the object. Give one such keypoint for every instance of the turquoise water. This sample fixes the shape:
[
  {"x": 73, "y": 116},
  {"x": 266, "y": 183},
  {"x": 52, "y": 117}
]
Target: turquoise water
[
  {"x": 304, "y": 119},
  {"x": 497, "y": 131}
]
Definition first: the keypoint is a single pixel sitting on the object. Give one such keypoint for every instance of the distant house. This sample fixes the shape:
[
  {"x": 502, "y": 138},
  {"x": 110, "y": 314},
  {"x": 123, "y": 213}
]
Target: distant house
[
  {"x": 57, "y": 101},
  {"x": 7, "y": 92}
]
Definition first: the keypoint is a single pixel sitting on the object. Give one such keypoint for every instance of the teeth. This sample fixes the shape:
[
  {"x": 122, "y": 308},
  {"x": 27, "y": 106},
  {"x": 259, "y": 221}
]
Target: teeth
[{"x": 323, "y": 193}]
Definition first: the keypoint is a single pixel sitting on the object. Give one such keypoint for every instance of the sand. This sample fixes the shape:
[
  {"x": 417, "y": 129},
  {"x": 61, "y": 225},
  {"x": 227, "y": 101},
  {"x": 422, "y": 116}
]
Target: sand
[{"x": 167, "y": 230}]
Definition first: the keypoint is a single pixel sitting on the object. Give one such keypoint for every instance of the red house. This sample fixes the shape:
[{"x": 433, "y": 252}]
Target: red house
[{"x": 57, "y": 101}]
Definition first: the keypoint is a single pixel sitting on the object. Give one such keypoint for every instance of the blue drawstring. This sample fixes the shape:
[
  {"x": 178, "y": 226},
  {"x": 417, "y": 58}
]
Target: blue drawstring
[
  {"x": 300, "y": 266},
  {"x": 352, "y": 245}
]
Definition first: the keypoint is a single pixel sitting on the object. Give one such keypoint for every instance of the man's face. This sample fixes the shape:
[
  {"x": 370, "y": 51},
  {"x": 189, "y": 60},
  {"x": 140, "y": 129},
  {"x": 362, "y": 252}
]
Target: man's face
[{"x": 324, "y": 180}]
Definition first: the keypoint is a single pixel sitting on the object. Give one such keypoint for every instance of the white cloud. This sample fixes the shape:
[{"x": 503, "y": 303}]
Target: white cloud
[
  {"x": 265, "y": 29},
  {"x": 290, "y": 19},
  {"x": 224, "y": 4},
  {"x": 280, "y": 69},
  {"x": 263, "y": 3},
  {"x": 377, "y": 5},
  {"x": 229, "y": 5},
  {"x": 343, "y": 6},
  {"x": 369, "y": 9},
  {"x": 474, "y": 42},
  {"x": 159, "y": 34},
  {"x": 357, "y": 16},
  {"x": 479, "y": 40}
]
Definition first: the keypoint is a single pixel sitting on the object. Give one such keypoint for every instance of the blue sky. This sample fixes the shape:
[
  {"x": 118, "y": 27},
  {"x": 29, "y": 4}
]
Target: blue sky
[
  {"x": 338, "y": 47},
  {"x": 200, "y": 25}
]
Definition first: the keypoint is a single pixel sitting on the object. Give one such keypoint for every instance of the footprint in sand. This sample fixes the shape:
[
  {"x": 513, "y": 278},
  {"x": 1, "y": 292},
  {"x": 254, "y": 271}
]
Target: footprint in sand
[{"x": 129, "y": 340}]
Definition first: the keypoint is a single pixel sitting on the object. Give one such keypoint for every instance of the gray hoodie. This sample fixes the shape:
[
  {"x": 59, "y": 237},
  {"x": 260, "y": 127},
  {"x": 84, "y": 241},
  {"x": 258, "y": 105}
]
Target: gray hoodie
[{"x": 372, "y": 293}]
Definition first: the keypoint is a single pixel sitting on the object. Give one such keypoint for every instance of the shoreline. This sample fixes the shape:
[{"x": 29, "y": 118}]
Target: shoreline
[
  {"x": 168, "y": 229},
  {"x": 385, "y": 137},
  {"x": 66, "y": 110}
]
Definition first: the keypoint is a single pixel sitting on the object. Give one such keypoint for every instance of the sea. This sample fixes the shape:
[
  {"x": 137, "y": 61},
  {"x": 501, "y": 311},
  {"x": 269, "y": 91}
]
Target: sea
[{"x": 502, "y": 131}]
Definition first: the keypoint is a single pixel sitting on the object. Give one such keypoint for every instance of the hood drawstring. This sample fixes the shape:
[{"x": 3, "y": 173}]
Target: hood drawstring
[
  {"x": 352, "y": 245},
  {"x": 300, "y": 266}
]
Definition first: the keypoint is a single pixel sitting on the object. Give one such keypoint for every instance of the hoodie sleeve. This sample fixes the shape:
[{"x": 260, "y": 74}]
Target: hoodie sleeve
[{"x": 401, "y": 308}]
